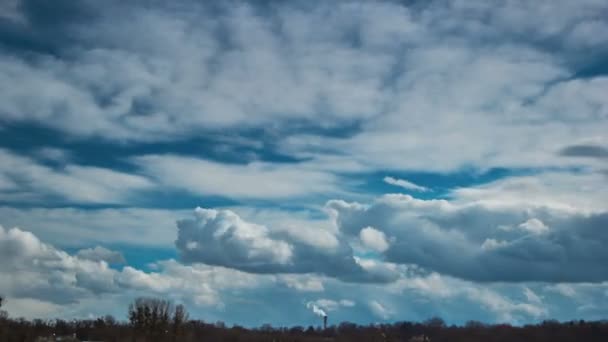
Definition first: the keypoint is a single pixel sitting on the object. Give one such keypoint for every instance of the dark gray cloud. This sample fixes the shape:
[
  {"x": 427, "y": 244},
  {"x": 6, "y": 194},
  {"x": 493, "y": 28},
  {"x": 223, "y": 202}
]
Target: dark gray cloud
[
  {"x": 46, "y": 27},
  {"x": 591, "y": 151},
  {"x": 480, "y": 243}
]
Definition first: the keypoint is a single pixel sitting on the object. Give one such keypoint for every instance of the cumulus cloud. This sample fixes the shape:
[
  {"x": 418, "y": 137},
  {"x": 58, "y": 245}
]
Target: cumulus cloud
[
  {"x": 221, "y": 237},
  {"x": 373, "y": 239},
  {"x": 468, "y": 240},
  {"x": 40, "y": 271},
  {"x": 45, "y": 280}
]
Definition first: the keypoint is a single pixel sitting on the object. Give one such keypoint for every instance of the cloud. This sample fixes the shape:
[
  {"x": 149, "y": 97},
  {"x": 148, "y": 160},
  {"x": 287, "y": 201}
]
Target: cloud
[
  {"x": 496, "y": 300},
  {"x": 303, "y": 283},
  {"x": 373, "y": 239},
  {"x": 200, "y": 283},
  {"x": 535, "y": 226},
  {"x": 328, "y": 305},
  {"x": 531, "y": 296},
  {"x": 379, "y": 310},
  {"x": 405, "y": 184},
  {"x": 221, "y": 237},
  {"x": 39, "y": 271},
  {"x": 590, "y": 151},
  {"x": 252, "y": 180},
  {"x": 577, "y": 192},
  {"x": 563, "y": 289},
  {"x": 502, "y": 75},
  {"x": 45, "y": 280},
  {"x": 468, "y": 239},
  {"x": 323, "y": 95},
  {"x": 101, "y": 254},
  {"x": 69, "y": 183},
  {"x": 77, "y": 227}
]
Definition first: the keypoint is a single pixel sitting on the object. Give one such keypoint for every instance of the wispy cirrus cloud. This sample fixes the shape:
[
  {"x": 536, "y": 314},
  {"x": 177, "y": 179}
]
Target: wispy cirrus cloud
[{"x": 404, "y": 184}]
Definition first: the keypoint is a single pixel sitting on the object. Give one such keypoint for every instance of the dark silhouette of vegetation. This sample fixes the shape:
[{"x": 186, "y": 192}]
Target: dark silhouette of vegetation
[
  {"x": 157, "y": 319},
  {"x": 153, "y": 319},
  {"x": 3, "y": 314}
]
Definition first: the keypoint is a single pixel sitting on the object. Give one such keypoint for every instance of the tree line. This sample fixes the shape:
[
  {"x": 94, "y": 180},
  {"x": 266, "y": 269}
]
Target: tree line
[{"x": 153, "y": 319}]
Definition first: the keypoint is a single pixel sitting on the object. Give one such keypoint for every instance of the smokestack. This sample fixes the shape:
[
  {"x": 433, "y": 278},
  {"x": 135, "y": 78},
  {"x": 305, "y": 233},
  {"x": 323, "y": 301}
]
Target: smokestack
[{"x": 319, "y": 312}]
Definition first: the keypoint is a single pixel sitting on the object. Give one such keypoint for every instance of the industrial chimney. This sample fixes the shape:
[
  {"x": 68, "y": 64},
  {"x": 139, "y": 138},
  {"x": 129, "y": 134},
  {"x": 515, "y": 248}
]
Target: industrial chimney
[{"x": 324, "y": 322}]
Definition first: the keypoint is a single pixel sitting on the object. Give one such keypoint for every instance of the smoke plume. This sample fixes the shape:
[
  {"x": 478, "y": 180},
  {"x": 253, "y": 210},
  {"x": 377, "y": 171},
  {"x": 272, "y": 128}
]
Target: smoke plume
[{"x": 317, "y": 310}]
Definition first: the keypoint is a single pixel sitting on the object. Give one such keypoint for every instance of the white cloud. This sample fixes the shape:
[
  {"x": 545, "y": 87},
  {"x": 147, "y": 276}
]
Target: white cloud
[
  {"x": 99, "y": 253},
  {"x": 76, "y": 227},
  {"x": 44, "y": 276},
  {"x": 570, "y": 192},
  {"x": 71, "y": 183},
  {"x": 47, "y": 282},
  {"x": 200, "y": 283},
  {"x": 40, "y": 271},
  {"x": 436, "y": 287},
  {"x": 221, "y": 237},
  {"x": 304, "y": 225},
  {"x": 346, "y": 88},
  {"x": 329, "y": 305},
  {"x": 347, "y": 303},
  {"x": 493, "y": 243},
  {"x": 379, "y": 310},
  {"x": 405, "y": 184},
  {"x": 373, "y": 239},
  {"x": 28, "y": 307},
  {"x": 532, "y": 296},
  {"x": 566, "y": 290},
  {"x": 302, "y": 283},
  {"x": 253, "y": 180},
  {"x": 534, "y": 226},
  {"x": 427, "y": 87}
]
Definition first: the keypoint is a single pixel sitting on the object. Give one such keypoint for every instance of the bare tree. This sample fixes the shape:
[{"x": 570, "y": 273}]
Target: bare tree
[
  {"x": 155, "y": 317},
  {"x": 3, "y": 314},
  {"x": 180, "y": 317}
]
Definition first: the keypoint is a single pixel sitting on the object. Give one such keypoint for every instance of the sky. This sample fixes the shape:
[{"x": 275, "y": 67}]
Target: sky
[{"x": 377, "y": 160}]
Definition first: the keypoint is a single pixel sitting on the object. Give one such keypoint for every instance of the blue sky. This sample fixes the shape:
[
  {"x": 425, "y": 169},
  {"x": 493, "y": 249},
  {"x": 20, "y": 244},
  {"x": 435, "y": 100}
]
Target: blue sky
[{"x": 381, "y": 160}]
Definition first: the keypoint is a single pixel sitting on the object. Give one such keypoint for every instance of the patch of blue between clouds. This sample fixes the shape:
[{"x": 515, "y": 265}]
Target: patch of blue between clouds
[
  {"x": 138, "y": 257},
  {"x": 439, "y": 185},
  {"x": 234, "y": 146}
]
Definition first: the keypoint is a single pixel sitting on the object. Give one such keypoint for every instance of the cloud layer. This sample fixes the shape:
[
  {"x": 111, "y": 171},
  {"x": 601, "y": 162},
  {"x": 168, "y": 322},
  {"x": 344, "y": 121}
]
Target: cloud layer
[{"x": 296, "y": 126}]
